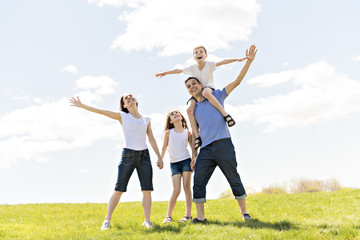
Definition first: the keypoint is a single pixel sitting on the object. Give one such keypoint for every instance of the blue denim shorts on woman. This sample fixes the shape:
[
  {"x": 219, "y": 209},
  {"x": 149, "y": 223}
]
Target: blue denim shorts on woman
[
  {"x": 180, "y": 167},
  {"x": 131, "y": 160}
]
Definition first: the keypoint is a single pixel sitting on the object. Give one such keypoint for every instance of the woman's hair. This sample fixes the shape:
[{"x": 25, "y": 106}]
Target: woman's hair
[
  {"x": 122, "y": 102},
  {"x": 169, "y": 125}
]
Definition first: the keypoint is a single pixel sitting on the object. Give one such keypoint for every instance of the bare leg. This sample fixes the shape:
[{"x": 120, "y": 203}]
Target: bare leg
[
  {"x": 200, "y": 211},
  {"x": 176, "y": 180},
  {"x": 113, "y": 202},
  {"x": 146, "y": 202},
  {"x": 207, "y": 92},
  {"x": 242, "y": 205},
  {"x": 190, "y": 111},
  {"x": 187, "y": 190}
]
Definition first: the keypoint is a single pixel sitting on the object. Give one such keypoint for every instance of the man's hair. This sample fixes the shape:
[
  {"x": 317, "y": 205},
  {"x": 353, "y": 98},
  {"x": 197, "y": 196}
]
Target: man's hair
[
  {"x": 197, "y": 47},
  {"x": 192, "y": 78}
]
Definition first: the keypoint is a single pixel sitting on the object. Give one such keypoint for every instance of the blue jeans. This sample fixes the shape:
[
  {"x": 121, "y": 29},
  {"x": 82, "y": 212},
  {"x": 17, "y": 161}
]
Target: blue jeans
[
  {"x": 218, "y": 153},
  {"x": 131, "y": 160},
  {"x": 180, "y": 167}
]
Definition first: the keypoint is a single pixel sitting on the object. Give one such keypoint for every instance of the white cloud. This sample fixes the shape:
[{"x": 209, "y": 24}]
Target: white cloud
[
  {"x": 321, "y": 95},
  {"x": 357, "y": 58},
  {"x": 175, "y": 27},
  {"x": 103, "y": 84},
  {"x": 83, "y": 170},
  {"x": 115, "y": 3},
  {"x": 285, "y": 64},
  {"x": 70, "y": 69},
  {"x": 33, "y": 132}
]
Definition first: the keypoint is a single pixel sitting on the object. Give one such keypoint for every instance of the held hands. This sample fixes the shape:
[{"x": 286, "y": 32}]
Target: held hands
[
  {"x": 242, "y": 59},
  {"x": 193, "y": 164},
  {"x": 160, "y": 163},
  {"x": 75, "y": 102}
]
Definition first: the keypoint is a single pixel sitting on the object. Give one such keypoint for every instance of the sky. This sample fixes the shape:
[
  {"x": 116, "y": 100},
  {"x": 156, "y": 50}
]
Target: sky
[{"x": 297, "y": 111}]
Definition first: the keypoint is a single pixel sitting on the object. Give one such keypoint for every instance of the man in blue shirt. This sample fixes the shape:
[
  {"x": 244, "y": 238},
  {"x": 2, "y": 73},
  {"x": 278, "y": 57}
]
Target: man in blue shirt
[{"x": 216, "y": 148}]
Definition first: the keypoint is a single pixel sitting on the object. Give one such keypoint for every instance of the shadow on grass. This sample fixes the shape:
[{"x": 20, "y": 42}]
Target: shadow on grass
[
  {"x": 254, "y": 224},
  {"x": 257, "y": 224}
]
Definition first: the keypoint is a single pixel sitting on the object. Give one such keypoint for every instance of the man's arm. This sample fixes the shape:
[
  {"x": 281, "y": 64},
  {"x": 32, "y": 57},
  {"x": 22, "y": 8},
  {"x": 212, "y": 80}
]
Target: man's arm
[
  {"x": 250, "y": 55},
  {"x": 174, "y": 71}
]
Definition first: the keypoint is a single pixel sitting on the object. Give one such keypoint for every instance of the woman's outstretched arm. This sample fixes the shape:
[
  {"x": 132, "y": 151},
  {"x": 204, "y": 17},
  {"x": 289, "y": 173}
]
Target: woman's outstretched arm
[{"x": 77, "y": 103}]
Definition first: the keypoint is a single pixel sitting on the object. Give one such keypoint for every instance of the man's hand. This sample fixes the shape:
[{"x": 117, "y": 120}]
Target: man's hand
[{"x": 251, "y": 53}]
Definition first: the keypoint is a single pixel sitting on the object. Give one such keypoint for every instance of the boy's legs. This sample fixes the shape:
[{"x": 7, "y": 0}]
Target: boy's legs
[
  {"x": 207, "y": 93},
  {"x": 194, "y": 126}
]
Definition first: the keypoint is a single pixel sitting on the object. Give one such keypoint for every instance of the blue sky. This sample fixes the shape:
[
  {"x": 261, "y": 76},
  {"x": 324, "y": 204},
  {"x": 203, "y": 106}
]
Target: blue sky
[{"x": 297, "y": 110}]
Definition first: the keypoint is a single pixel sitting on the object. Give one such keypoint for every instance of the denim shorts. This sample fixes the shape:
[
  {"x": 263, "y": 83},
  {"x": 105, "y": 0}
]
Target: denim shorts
[
  {"x": 180, "y": 167},
  {"x": 131, "y": 160},
  {"x": 218, "y": 153}
]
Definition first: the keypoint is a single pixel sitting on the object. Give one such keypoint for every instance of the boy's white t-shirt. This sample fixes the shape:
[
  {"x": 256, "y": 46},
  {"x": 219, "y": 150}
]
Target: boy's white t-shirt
[
  {"x": 134, "y": 131},
  {"x": 205, "y": 76},
  {"x": 177, "y": 146}
]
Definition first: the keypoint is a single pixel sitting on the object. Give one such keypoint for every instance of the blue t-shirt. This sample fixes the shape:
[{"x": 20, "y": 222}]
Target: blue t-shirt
[{"x": 211, "y": 123}]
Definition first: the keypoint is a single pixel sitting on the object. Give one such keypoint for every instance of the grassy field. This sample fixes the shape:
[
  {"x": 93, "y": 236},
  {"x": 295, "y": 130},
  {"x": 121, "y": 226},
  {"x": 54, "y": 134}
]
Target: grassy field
[{"x": 326, "y": 215}]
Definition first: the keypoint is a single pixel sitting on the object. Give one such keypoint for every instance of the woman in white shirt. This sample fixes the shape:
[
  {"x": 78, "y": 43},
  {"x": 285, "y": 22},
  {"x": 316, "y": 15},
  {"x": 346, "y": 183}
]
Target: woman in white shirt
[{"x": 135, "y": 154}]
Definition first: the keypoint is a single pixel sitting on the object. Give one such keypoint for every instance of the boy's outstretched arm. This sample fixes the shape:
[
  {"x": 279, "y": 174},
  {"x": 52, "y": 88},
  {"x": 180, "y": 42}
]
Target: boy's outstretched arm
[
  {"x": 175, "y": 71},
  {"x": 250, "y": 55},
  {"x": 227, "y": 61}
]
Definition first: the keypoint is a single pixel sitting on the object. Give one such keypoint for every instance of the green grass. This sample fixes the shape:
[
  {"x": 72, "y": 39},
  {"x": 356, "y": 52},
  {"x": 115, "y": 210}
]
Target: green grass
[{"x": 326, "y": 215}]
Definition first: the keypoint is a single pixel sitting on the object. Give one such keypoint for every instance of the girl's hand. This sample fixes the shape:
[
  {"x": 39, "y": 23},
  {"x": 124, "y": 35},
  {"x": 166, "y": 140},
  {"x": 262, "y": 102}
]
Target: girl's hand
[
  {"x": 75, "y": 102},
  {"x": 160, "y": 163},
  {"x": 193, "y": 164}
]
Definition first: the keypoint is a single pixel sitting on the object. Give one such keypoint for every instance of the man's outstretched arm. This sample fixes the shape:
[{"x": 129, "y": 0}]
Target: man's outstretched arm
[{"x": 250, "y": 55}]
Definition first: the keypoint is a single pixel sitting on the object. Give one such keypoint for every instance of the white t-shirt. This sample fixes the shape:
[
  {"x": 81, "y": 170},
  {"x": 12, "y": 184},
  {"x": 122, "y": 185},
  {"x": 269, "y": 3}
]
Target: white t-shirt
[
  {"x": 177, "y": 146},
  {"x": 134, "y": 131},
  {"x": 205, "y": 76}
]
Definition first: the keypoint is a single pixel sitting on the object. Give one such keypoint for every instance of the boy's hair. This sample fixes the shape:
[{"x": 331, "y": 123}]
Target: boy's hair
[
  {"x": 192, "y": 78},
  {"x": 169, "y": 125},
  {"x": 200, "y": 47},
  {"x": 122, "y": 102}
]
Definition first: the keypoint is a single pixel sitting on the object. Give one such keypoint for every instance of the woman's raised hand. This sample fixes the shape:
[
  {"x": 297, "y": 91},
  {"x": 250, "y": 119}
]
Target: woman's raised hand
[{"x": 75, "y": 102}]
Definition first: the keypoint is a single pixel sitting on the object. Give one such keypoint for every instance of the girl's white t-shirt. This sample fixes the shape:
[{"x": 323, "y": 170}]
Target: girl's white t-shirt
[
  {"x": 177, "y": 146},
  {"x": 134, "y": 131},
  {"x": 205, "y": 76}
]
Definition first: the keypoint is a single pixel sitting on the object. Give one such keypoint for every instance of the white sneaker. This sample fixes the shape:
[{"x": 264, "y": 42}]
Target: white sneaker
[
  {"x": 148, "y": 224},
  {"x": 105, "y": 225}
]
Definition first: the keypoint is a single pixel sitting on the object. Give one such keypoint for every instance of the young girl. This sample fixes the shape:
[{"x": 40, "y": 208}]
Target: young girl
[
  {"x": 135, "y": 154},
  {"x": 176, "y": 139}
]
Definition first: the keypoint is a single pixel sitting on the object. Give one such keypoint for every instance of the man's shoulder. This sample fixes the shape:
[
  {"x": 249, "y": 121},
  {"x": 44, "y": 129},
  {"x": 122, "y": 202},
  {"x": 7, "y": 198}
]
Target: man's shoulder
[{"x": 220, "y": 92}]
